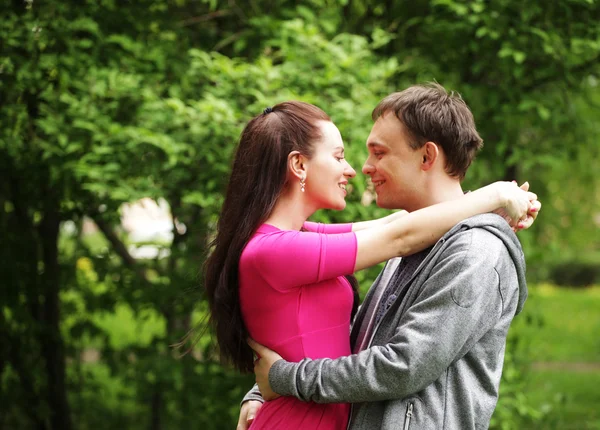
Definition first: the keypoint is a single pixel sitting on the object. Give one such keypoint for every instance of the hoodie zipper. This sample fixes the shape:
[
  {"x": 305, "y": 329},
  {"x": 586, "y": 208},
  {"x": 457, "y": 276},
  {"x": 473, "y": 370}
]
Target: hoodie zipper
[
  {"x": 409, "y": 414},
  {"x": 350, "y": 416},
  {"x": 410, "y": 408}
]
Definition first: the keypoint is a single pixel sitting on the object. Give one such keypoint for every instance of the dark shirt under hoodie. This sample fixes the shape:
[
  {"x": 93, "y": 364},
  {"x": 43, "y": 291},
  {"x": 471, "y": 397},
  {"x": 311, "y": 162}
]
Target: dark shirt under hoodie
[{"x": 396, "y": 290}]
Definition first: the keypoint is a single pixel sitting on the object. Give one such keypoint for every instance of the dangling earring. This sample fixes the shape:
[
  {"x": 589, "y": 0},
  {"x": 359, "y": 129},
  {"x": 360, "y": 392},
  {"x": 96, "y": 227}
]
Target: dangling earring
[{"x": 302, "y": 184}]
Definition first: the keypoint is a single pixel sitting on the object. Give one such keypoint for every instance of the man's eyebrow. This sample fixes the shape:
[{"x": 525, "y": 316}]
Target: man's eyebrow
[{"x": 375, "y": 145}]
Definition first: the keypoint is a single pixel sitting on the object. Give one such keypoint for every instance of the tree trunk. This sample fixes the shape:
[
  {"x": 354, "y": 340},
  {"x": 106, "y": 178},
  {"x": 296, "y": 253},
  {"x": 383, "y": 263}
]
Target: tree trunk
[
  {"x": 155, "y": 405},
  {"x": 19, "y": 264},
  {"x": 51, "y": 340},
  {"x": 510, "y": 174}
]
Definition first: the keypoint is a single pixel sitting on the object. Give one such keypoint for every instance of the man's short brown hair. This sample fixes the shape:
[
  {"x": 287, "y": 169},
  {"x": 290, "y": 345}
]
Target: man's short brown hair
[{"x": 431, "y": 114}]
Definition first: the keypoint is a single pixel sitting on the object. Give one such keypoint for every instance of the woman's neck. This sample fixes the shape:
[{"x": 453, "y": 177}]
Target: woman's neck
[{"x": 290, "y": 212}]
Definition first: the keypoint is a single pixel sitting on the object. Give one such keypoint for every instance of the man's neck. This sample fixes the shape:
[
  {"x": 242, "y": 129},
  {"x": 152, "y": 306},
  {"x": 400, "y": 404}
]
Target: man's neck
[{"x": 441, "y": 191}]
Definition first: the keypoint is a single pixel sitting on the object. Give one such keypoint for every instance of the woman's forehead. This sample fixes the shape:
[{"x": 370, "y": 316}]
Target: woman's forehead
[{"x": 330, "y": 135}]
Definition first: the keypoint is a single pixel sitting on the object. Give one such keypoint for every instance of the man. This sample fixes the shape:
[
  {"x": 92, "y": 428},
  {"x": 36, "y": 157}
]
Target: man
[{"x": 429, "y": 339}]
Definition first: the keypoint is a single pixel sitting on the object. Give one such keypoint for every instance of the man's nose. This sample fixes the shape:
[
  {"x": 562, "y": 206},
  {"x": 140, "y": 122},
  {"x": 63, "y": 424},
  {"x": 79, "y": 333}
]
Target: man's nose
[{"x": 368, "y": 168}]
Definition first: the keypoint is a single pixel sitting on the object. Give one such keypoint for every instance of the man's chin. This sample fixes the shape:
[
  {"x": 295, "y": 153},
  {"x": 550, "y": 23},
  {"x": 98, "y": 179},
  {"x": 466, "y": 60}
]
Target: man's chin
[{"x": 384, "y": 203}]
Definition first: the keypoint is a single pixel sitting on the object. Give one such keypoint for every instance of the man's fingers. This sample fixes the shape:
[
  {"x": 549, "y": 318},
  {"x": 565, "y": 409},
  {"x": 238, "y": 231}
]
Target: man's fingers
[
  {"x": 257, "y": 347},
  {"x": 248, "y": 413},
  {"x": 243, "y": 423},
  {"x": 252, "y": 412}
]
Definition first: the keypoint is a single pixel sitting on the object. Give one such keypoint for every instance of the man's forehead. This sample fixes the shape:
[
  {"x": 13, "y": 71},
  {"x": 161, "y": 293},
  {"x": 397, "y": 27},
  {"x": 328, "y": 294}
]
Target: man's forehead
[{"x": 383, "y": 133}]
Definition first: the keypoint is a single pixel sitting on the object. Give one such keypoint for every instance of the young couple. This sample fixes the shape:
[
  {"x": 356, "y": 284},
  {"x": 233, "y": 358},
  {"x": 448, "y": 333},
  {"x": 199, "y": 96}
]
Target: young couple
[{"x": 427, "y": 345}]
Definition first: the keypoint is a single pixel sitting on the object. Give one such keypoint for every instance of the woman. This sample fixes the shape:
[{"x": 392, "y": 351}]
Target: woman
[{"x": 279, "y": 279}]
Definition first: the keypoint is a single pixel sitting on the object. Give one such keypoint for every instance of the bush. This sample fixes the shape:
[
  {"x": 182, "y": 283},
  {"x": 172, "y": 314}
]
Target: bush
[{"x": 575, "y": 273}]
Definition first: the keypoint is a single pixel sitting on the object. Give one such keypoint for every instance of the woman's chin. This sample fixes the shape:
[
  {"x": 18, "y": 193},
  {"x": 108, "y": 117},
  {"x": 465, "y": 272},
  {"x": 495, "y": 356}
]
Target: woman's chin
[
  {"x": 340, "y": 206},
  {"x": 334, "y": 205}
]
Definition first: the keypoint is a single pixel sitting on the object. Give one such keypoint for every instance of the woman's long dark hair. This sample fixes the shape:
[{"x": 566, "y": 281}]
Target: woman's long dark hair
[{"x": 258, "y": 177}]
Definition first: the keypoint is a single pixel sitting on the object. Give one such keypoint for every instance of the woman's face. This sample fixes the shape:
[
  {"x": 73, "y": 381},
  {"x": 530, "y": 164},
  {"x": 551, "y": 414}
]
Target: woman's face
[{"x": 327, "y": 172}]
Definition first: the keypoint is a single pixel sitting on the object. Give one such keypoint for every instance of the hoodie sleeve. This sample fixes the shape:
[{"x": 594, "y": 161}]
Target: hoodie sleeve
[
  {"x": 458, "y": 304},
  {"x": 253, "y": 394}
]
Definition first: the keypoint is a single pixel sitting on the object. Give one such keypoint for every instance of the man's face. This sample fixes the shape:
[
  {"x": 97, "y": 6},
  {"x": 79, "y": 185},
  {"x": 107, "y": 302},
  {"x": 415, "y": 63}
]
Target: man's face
[{"x": 394, "y": 167}]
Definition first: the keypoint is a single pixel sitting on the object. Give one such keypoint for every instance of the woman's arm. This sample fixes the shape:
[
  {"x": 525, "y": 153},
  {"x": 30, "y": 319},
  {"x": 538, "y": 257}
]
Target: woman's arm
[
  {"x": 420, "y": 229},
  {"x": 355, "y": 226},
  {"x": 364, "y": 225}
]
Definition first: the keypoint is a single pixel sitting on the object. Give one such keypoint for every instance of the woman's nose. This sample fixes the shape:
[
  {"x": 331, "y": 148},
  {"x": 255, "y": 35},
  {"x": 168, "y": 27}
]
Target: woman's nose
[{"x": 349, "y": 171}]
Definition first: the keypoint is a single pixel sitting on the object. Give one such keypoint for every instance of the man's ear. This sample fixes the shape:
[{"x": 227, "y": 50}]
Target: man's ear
[
  {"x": 296, "y": 165},
  {"x": 430, "y": 154}
]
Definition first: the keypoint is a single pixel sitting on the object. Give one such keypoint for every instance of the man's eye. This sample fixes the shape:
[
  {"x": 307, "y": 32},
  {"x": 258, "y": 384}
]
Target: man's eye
[{"x": 378, "y": 154}]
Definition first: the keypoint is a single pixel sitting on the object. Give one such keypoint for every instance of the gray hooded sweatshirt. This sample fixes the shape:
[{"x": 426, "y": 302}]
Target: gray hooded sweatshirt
[{"x": 435, "y": 359}]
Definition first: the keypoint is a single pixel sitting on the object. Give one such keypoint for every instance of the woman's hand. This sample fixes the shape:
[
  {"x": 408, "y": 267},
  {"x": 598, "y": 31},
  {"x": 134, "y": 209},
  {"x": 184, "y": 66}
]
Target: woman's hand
[{"x": 519, "y": 206}]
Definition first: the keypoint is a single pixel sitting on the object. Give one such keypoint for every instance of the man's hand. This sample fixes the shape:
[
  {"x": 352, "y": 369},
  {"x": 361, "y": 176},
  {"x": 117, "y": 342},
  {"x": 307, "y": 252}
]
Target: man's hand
[
  {"x": 262, "y": 366},
  {"x": 247, "y": 414}
]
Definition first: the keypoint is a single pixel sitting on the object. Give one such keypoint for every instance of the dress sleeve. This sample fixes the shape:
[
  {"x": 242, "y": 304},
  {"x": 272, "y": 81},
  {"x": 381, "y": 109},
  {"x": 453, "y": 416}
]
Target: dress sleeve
[
  {"x": 289, "y": 259},
  {"x": 319, "y": 227}
]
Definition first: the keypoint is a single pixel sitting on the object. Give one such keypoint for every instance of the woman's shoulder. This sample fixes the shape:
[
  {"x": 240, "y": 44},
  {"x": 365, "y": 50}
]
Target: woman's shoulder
[{"x": 266, "y": 240}]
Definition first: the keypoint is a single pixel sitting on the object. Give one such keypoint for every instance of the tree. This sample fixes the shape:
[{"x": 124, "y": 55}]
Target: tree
[{"x": 103, "y": 104}]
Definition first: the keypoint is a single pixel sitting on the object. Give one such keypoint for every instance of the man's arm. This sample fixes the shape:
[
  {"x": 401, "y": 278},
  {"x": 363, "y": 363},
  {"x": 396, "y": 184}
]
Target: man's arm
[{"x": 459, "y": 303}]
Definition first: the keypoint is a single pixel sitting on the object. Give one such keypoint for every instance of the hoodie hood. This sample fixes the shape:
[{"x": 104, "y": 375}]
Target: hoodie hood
[{"x": 496, "y": 225}]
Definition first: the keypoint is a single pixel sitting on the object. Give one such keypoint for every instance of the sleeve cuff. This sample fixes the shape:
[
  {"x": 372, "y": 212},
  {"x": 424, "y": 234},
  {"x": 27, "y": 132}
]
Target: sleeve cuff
[
  {"x": 282, "y": 378},
  {"x": 253, "y": 394}
]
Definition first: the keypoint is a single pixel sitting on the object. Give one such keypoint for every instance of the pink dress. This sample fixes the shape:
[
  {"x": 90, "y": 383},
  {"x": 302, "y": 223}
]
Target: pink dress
[{"x": 296, "y": 301}]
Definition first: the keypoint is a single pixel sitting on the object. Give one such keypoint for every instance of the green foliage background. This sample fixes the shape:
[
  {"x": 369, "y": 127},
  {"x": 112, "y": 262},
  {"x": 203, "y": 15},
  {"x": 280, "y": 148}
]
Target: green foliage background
[{"x": 104, "y": 102}]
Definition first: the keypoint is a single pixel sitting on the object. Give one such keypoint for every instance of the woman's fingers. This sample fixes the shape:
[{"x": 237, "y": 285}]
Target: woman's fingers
[{"x": 532, "y": 213}]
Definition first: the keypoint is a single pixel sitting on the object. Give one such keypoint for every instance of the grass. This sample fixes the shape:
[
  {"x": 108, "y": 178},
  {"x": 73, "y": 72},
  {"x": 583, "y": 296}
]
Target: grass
[
  {"x": 573, "y": 398},
  {"x": 566, "y": 324},
  {"x": 562, "y": 329}
]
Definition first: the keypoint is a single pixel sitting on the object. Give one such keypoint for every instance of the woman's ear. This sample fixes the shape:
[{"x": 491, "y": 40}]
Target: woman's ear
[
  {"x": 296, "y": 165},
  {"x": 430, "y": 153}
]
